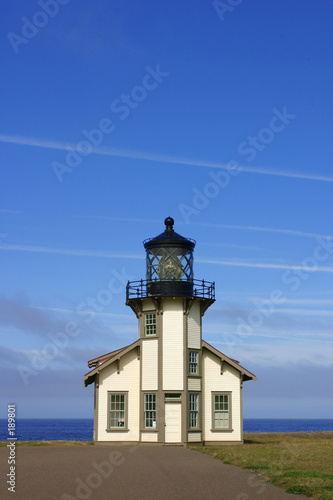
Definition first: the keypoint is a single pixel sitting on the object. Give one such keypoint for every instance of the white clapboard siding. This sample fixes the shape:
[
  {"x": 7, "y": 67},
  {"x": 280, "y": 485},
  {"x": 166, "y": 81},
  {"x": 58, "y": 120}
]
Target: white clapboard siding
[
  {"x": 127, "y": 380},
  {"x": 215, "y": 382},
  {"x": 193, "y": 327},
  {"x": 173, "y": 345},
  {"x": 194, "y": 437},
  {"x": 150, "y": 365},
  {"x": 149, "y": 437},
  {"x": 194, "y": 384}
]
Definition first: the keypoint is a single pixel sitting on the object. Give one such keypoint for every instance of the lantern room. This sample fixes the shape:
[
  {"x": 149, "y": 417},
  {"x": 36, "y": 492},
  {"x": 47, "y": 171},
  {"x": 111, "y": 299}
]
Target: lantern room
[
  {"x": 169, "y": 268},
  {"x": 169, "y": 262}
]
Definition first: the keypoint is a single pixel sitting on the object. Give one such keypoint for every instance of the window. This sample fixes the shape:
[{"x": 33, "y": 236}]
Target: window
[
  {"x": 117, "y": 411},
  {"x": 194, "y": 411},
  {"x": 172, "y": 397},
  {"x": 222, "y": 411},
  {"x": 150, "y": 324},
  {"x": 193, "y": 363},
  {"x": 150, "y": 411}
]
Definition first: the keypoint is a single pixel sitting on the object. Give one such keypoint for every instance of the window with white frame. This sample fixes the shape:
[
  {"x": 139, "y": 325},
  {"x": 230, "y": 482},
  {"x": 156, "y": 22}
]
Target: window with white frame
[
  {"x": 150, "y": 411},
  {"x": 193, "y": 367},
  {"x": 150, "y": 324},
  {"x": 222, "y": 411},
  {"x": 194, "y": 411},
  {"x": 117, "y": 416}
]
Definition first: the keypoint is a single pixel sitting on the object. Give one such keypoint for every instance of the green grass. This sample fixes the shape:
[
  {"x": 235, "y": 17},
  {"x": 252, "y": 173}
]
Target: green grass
[
  {"x": 48, "y": 443},
  {"x": 301, "y": 463}
]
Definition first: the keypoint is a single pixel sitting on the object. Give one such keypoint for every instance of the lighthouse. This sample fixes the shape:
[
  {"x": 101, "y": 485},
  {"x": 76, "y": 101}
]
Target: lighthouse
[{"x": 169, "y": 386}]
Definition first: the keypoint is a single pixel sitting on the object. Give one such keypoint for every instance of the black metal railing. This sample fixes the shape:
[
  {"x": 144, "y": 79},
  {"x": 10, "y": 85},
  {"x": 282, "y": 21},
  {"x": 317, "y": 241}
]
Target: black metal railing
[{"x": 170, "y": 288}]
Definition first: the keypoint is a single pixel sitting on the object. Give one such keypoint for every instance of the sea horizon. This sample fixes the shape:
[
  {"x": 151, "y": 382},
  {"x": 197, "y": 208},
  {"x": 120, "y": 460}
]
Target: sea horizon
[
  {"x": 81, "y": 429},
  {"x": 250, "y": 418}
]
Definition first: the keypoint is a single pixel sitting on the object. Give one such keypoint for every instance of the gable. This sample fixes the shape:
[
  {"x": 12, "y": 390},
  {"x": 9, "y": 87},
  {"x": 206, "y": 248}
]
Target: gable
[
  {"x": 223, "y": 359},
  {"x": 121, "y": 374},
  {"x": 106, "y": 360}
]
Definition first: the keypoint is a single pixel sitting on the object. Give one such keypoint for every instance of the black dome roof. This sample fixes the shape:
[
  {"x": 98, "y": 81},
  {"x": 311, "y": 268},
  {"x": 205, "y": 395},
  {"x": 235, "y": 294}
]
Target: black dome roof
[{"x": 169, "y": 238}]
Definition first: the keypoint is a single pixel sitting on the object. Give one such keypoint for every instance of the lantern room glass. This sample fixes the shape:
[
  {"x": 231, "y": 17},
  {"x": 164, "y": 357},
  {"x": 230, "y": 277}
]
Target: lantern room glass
[{"x": 169, "y": 263}]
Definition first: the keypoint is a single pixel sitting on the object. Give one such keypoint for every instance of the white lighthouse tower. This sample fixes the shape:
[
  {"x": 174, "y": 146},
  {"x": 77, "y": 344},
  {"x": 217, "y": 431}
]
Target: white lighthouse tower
[
  {"x": 170, "y": 305},
  {"x": 169, "y": 386}
]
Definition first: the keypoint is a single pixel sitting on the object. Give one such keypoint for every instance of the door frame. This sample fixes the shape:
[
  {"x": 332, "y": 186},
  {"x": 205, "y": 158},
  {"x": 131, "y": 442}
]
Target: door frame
[{"x": 172, "y": 403}]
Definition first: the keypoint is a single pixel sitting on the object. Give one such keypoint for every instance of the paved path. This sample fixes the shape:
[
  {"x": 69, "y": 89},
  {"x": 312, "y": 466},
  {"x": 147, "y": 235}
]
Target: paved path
[{"x": 129, "y": 473}]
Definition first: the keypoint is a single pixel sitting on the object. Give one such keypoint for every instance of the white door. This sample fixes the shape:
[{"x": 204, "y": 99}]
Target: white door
[{"x": 173, "y": 423}]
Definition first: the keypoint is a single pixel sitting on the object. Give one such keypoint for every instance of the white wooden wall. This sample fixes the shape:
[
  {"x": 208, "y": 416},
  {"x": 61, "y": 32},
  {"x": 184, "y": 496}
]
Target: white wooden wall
[
  {"x": 194, "y": 384},
  {"x": 150, "y": 365},
  {"x": 214, "y": 381},
  {"x": 149, "y": 437},
  {"x": 194, "y": 437},
  {"x": 173, "y": 345},
  {"x": 127, "y": 380},
  {"x": 193, "y": 327}
]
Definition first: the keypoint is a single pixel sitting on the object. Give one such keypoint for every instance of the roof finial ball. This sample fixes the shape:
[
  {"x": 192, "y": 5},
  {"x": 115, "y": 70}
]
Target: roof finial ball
[{"x": 169, "y": 222}]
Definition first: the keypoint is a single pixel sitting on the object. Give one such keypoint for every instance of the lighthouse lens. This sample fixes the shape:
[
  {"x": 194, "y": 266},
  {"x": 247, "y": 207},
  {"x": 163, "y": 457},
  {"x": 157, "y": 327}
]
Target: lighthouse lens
[
  {"x": 170, "y": 268},
  {"x": 171, "y": 263}
]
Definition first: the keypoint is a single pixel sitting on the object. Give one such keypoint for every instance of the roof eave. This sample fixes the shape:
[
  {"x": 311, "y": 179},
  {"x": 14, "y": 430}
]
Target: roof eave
[
  {"x": 247, "y": 375},
  {"x": 93, "y": 362},
  {"x": 89, "y": 377}
]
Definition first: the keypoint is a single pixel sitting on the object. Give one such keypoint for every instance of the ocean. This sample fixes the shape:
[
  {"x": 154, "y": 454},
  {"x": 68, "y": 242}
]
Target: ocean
[{"x": 82, "y": 429}]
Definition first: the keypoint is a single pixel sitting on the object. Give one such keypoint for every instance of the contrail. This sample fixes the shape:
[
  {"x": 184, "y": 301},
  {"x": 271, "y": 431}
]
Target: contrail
[
  {"x": 68, "y": 251},
  {"x": 264, "y": 265},
  {"x": 101, "y": 253},
  {"x": 158, "y": 158},
  {"x": 291, "y": 232}
]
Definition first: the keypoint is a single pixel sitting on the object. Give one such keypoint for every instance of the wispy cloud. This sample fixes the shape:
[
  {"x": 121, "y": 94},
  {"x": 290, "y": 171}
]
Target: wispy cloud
[
  {"x": 290, "y": 301},
  {"x": 305, "y": 312},
  {"x": 104, "y": 254},
  {"x": 30, "y": 326},
  {"x": 306, "y": 302},
  {"x": 291, "y": 232},
  {"x": 265, "y": 265},
  {"x": 158, "y": 158},
  {"x": 120, "y": 219},
  {"x": 16, "y": 313},
  {"x": 258, "y": 354},
  {"x": 284, "y": 337},
  {"x": 75, "y": 311},
  {"x": 40, "y": 143},
  {"x": 313, "y": 330},
  {"x": 67, "y": 251},
  {"x": 229, "y": 245}
]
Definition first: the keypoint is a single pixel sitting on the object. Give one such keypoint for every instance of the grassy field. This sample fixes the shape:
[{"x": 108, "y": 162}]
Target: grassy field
[
  {"x": 301, "y": 462},
  {"x": 47, "y": 443}
]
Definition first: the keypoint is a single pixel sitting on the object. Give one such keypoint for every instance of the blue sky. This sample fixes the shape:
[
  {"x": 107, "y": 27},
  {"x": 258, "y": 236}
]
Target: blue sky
[{"x": 115, "y": 113}]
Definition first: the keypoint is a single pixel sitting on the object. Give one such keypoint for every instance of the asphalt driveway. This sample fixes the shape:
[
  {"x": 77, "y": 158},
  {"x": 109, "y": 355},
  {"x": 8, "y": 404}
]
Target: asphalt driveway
[{"x": 128, "y": 473}]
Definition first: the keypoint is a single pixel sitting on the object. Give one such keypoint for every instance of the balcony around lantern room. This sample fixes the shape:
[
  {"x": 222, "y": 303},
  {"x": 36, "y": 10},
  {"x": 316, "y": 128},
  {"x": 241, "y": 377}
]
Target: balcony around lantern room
[{"x": 157, "y": 288}]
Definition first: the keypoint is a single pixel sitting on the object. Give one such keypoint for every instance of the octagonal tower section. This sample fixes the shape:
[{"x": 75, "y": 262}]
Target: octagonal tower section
[{"x": 169, "y": 305}]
